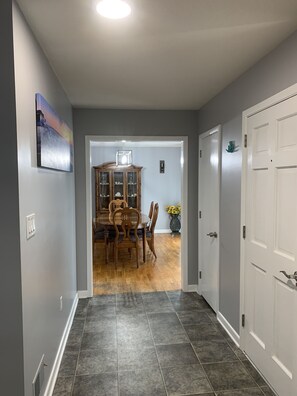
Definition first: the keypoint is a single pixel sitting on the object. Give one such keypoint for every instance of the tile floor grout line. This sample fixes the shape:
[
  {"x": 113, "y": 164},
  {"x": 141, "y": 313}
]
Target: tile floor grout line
[
  {"x": 255, "y": 385},
  {"x": 258, "y": 386},
  {"x": 176, "y": 313},
  {"x": 117, "y": 345},
  {"x": 226, "y": 340},
  {"x": 234, "y": 390},
  {"x": 159, "y": 365},
  {"x": 206, "y": 376},
  {"x": 79, "y": 349}
]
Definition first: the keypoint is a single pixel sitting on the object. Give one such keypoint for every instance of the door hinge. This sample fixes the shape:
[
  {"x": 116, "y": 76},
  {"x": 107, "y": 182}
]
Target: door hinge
[
  {"x": 244, "y": 232},
  {"x": 200, "y": 153},
  {"x": 245, "y": 141},
  {"x": 243, "y": 320},
  {"x": 200, "y": 274},
  {"x": 200, "y": 214}
]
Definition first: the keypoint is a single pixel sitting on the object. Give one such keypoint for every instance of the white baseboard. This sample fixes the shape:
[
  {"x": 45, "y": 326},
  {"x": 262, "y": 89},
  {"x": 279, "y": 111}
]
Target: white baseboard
[
  {"x": 191, "y": 288},
  {"x": 54, "y": 373},
  {"x": 83, "y": 294},
  {"x": 163, "y": 231},
  {"x": 232, "y": 333}
]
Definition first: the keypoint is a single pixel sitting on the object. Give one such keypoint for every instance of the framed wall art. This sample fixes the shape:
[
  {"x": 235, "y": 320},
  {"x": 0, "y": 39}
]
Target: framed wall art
[{"x": 54, "y": 138}]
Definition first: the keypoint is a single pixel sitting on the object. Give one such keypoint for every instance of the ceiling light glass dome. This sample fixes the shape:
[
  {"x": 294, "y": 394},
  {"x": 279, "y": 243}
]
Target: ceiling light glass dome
[{"x": 113, "y": 9}]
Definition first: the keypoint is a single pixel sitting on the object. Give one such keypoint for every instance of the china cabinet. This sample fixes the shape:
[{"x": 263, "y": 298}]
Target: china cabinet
[{"x": 117, "y": 182}]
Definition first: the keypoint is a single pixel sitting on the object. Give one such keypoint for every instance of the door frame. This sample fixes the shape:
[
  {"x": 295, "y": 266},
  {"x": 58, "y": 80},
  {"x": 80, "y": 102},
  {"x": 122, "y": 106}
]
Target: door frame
[
  {"x": 217, "y": 129},
  {"x": 184, "y": 200},
  {"x": 265, "y": 104}
]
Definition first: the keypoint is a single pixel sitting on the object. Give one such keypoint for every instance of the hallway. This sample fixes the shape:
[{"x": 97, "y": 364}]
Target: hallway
[{"x": 153, "y": 344}]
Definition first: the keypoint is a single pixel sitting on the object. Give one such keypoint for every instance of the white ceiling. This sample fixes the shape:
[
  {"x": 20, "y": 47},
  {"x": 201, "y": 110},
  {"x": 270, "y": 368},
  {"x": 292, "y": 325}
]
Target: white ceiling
[{"x": 169, "y": 54}]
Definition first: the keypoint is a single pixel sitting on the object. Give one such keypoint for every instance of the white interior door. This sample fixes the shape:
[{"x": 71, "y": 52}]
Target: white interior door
[
  {"x": 270, "y": 298},
  {"x": 209, "y": 202}
]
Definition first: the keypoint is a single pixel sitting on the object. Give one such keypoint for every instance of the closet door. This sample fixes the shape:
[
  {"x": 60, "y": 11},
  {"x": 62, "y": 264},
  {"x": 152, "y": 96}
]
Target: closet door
[{"x": 271, "y": 245}]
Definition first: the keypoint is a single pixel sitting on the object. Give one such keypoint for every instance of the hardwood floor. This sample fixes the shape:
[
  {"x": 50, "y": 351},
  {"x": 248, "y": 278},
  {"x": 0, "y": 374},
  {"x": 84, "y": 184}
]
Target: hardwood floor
[{"x": 154, "y": 275}]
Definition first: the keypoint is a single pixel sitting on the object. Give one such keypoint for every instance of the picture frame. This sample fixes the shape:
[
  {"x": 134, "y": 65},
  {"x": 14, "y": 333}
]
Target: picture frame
[{"x": 54, "y": 138}]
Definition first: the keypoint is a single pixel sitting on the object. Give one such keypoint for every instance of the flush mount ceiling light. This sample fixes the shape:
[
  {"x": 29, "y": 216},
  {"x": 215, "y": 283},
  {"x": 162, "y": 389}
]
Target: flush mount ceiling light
[{"x": 113, "y": 9}]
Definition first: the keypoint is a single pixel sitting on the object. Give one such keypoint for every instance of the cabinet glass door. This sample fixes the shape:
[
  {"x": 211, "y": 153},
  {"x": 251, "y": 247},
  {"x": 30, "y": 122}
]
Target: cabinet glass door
[
  {"x": 118, "y": 185},
  {"x": 104, "y": 194},
  {"x": 132, "y": 189}
]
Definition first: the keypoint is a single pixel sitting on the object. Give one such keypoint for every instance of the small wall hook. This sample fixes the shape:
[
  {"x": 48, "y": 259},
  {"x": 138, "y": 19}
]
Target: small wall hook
[{"x": 231, "y": 147}]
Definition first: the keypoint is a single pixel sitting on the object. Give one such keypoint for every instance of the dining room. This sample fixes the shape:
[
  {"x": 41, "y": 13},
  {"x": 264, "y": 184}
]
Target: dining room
[{"x": 152, "y": 178}]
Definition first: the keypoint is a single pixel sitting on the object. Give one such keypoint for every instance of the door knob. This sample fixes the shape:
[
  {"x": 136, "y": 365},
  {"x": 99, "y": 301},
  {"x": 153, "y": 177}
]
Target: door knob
[
  {"x": 290, "y": 276},
  {"x": 212, "y": 234}
]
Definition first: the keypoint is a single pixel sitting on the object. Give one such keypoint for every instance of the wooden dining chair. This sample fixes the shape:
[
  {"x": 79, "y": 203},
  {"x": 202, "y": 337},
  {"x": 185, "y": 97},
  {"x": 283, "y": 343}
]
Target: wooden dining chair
[
  {"x": 125, "y": 222},
  {"x": 100, "y": 237},
  {"x": 150, "y": 232},
  {"x": 150, "y": 215},
  {"x": 117, "y": 204}
]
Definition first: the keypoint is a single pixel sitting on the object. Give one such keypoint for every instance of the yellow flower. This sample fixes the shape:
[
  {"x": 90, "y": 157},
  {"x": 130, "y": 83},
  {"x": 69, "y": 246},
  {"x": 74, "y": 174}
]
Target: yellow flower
[{"x": 173, "y": 209}]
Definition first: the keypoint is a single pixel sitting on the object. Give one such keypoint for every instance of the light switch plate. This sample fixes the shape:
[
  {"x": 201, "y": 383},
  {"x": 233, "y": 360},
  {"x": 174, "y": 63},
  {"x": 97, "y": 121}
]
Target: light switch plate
[{"x": 30, "y": 225}]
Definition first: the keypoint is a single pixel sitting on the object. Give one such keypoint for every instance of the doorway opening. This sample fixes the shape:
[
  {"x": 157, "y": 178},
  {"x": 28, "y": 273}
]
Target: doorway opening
[{"x": 102, "y": 149}]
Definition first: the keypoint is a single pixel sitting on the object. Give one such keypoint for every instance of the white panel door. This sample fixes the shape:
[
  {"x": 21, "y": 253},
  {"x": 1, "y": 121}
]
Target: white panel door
[
  {"x": 209, "y": 201},
  {"x": 271, "y": 245}
]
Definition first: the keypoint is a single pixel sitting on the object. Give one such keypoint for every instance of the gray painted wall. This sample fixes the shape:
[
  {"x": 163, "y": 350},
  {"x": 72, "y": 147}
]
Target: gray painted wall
[
  {"x": 11, "y": 355},
  {"x": 133, "y": 123},
  {"x": 275, "y": 72},
  {"x": 48, "y": 259},
  {"x": 165, "y": 188}
]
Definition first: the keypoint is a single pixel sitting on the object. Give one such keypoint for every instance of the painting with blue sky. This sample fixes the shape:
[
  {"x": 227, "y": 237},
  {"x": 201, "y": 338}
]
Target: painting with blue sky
[{"x": 54, "y": 138}]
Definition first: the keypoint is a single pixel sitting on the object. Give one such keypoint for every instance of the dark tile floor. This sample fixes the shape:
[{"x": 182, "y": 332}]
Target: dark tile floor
[{"x": 153, "y": 344}]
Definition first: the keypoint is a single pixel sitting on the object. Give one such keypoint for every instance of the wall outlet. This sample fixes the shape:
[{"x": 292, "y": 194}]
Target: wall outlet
[
  {"x": 61, "y": 303},
  {"x": 30, "y": 225}
]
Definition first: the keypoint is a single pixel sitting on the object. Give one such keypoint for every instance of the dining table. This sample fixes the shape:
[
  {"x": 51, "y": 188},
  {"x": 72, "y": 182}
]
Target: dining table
[{"x": 105, "y": 220}]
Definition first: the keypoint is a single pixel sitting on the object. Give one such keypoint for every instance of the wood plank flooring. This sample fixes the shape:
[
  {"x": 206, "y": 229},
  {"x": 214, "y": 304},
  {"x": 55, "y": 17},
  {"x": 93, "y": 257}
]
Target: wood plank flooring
[{"x": 158, "y": 274}]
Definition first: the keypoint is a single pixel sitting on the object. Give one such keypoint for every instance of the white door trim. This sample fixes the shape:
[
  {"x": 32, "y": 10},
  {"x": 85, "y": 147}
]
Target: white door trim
[
  {"x": 201, "y": 136},
  {"x": 265, "y": 104},
  {"x": 184, "y": 199}
]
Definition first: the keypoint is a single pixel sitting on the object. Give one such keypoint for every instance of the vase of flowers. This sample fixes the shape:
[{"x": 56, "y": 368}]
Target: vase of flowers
[{"x": 174, "y": 212}]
